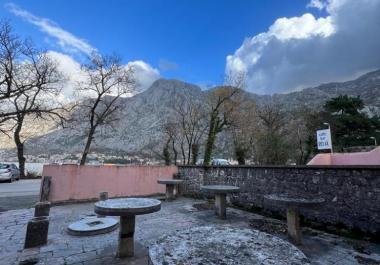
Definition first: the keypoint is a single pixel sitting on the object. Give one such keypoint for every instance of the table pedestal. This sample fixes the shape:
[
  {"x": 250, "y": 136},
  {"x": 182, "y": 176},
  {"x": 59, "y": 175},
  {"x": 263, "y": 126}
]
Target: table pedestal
[
  {"x": 220, "y": 205},
  {"x": 169, "y": 192},
  {"x": 294, "y": 230},
  {"x": 127, "y": 230}
]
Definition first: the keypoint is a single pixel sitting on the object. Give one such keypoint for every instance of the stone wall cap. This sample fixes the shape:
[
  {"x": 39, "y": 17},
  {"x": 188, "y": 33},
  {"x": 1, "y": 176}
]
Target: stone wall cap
[
  {"x": 169, "y": 181},
  {"x": 220, "y": 188},
  {"x": 294, "y": 201},
  {"x": 374, "y": 167}
]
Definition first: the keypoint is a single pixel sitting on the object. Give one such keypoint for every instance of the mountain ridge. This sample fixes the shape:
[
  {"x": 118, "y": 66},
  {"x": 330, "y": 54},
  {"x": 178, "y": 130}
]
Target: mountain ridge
[{"x": 139, "y": 128}]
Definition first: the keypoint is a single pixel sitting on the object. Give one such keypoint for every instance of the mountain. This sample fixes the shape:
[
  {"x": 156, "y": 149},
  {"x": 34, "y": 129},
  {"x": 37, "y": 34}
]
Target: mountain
[
  {"x": 366, "y": 86},
  {"x": 138, "y": 130}
]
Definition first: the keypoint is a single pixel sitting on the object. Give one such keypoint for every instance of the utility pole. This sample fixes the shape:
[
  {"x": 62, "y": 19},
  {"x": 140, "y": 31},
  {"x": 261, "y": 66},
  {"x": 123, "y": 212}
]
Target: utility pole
[
  {"x": 328, "y": 124},
  {"x": 374, "y": 138}
]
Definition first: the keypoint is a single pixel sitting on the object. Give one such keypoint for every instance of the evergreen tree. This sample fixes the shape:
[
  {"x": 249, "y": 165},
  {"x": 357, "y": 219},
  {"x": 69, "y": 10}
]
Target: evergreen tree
[{"x": 350, "y": 125}]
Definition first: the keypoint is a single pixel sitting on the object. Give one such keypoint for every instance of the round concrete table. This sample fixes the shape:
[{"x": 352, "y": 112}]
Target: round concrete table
[
  {"x": 127, "y": 209},
  {"x": 293, "y": 205},
  {"x": 220, "y": 192},
  {"x": 215, "y": 245},
  {"x": 171, "y": 186}
]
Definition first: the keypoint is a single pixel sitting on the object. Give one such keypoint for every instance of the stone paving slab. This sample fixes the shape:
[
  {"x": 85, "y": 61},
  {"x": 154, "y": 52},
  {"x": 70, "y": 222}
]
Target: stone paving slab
[{"x": 319, "y": 247}]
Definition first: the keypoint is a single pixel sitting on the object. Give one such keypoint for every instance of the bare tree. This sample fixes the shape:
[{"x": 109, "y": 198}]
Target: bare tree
[
  {"x": 29, "y": 85},
  {"x": 107, "y": 80},
  {"x": 223, "y": 101},
  {"x": 12, "y": 52},
  {"x": 171, "y": 131},
  {"x": 191, "y": 119},
  {"x": 244, "y": 129},
  {"x": 271, "y": 140},
  {"x": 296, "y": 127},
  {"x": 39, "y": 102}
]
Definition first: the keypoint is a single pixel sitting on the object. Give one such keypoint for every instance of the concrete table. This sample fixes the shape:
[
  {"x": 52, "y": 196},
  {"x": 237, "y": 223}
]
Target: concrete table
[
  {"x": 171, "y": 185},
  {"x": 220, "y": 192},
  {"x": 127, "y": 209},
  {"x": 215, "y": 245},
  {"x": 293, "y": 205}
]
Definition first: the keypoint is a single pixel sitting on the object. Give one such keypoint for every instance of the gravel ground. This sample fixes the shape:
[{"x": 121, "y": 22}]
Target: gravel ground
[{"x": 319, "y": 247}]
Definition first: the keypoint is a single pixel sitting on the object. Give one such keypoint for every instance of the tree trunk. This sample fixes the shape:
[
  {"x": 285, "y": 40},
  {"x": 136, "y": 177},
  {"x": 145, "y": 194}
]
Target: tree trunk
[
  {"x": 87, "y": 147},
  {"x": 183, "y": 154},
  {"x": 300, "y": 146},
  {"x": 175, "y": 152},
  {"x": 240, "y": 153},
  {"x": 190, "y": 144},
  {"x": 20, "y": 147},
  {"x": 166, "y": 154},
  {"x": 210, "y": 142},
  {"x": 194, "y": 151}
]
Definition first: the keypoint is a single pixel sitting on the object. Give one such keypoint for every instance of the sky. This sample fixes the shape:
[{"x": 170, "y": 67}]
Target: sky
[{"x": 280, "y": 45}]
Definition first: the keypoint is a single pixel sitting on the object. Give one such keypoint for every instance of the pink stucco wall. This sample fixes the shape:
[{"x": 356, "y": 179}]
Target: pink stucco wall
[
  {"x": 356, "y": 159},
  {"x": 73, "y": 182}
]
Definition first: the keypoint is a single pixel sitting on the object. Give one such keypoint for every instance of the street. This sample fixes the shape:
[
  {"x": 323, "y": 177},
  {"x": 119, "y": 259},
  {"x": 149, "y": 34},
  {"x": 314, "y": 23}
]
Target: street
[{"x": 19, "y": 194}]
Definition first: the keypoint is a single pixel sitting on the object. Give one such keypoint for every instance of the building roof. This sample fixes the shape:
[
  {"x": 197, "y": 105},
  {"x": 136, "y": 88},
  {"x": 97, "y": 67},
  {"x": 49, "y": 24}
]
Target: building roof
[{"x": 357, "y": 158}]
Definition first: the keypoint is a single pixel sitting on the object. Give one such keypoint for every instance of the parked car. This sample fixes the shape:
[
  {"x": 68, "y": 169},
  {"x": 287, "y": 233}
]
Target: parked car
[
  {"x": 220, "y": 162},
  {"x": 199, "y": 162},
  {"x": 215, "y": 162},
  {"x": 9, "y": 172}
]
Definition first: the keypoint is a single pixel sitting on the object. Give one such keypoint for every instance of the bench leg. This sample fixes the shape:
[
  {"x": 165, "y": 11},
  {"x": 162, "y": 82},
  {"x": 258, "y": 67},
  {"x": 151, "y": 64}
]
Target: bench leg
[
  {"x": 220, "y": 205},
  {"x": 127, "y": 230},
  {"x": 294, "y": 229}
]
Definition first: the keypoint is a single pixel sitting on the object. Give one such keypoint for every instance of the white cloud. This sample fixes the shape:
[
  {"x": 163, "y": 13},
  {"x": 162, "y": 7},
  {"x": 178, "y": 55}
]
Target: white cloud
[
  {"x": 303, "y": 27},
  {"x": 71, "y": 70},
  {"x": 66, "y": 40},
  {"x": 144, "y": 74},
  {"x": 320, "y": 4},
  {"x": 305, "y": 51}
]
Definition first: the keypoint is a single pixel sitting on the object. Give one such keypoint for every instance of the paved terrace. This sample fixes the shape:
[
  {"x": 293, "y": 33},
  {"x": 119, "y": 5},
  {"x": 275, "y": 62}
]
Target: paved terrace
[{"x": 319, "y": 247}]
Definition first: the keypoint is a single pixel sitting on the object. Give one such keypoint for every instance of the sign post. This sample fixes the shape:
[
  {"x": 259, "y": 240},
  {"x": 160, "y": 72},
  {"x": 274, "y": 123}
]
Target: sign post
[{"x": 324, "y": 140}]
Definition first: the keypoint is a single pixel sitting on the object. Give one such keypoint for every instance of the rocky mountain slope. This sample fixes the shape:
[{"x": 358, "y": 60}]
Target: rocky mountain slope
[
  {"x": 139, "y": 127},
  {"x": 366, "y": 86}
]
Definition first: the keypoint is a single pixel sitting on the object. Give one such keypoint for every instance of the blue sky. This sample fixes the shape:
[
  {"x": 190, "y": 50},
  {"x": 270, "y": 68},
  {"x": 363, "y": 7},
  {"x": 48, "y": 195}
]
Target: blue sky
[
  {"x": 191, "y": 39},
  {"x": 196, "y": 36}
]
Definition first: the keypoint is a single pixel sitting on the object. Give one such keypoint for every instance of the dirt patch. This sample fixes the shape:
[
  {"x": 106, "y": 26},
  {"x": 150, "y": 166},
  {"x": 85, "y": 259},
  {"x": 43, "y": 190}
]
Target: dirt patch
[
  {"x": 203, "y": 206},
  {"x": 30, "y": 261},
  {"x": 362, "y": 247},
  {"x": 367, "y": 261},
  {"x": 268, "y": 226}
]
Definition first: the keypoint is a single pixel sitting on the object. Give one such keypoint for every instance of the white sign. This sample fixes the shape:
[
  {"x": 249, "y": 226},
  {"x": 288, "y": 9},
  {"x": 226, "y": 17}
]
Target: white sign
[{"x": 324, "y": 139}]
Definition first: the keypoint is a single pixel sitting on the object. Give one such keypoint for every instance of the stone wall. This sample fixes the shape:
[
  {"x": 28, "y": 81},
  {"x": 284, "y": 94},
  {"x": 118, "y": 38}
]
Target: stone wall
[{"x": 352, "y": 193}]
